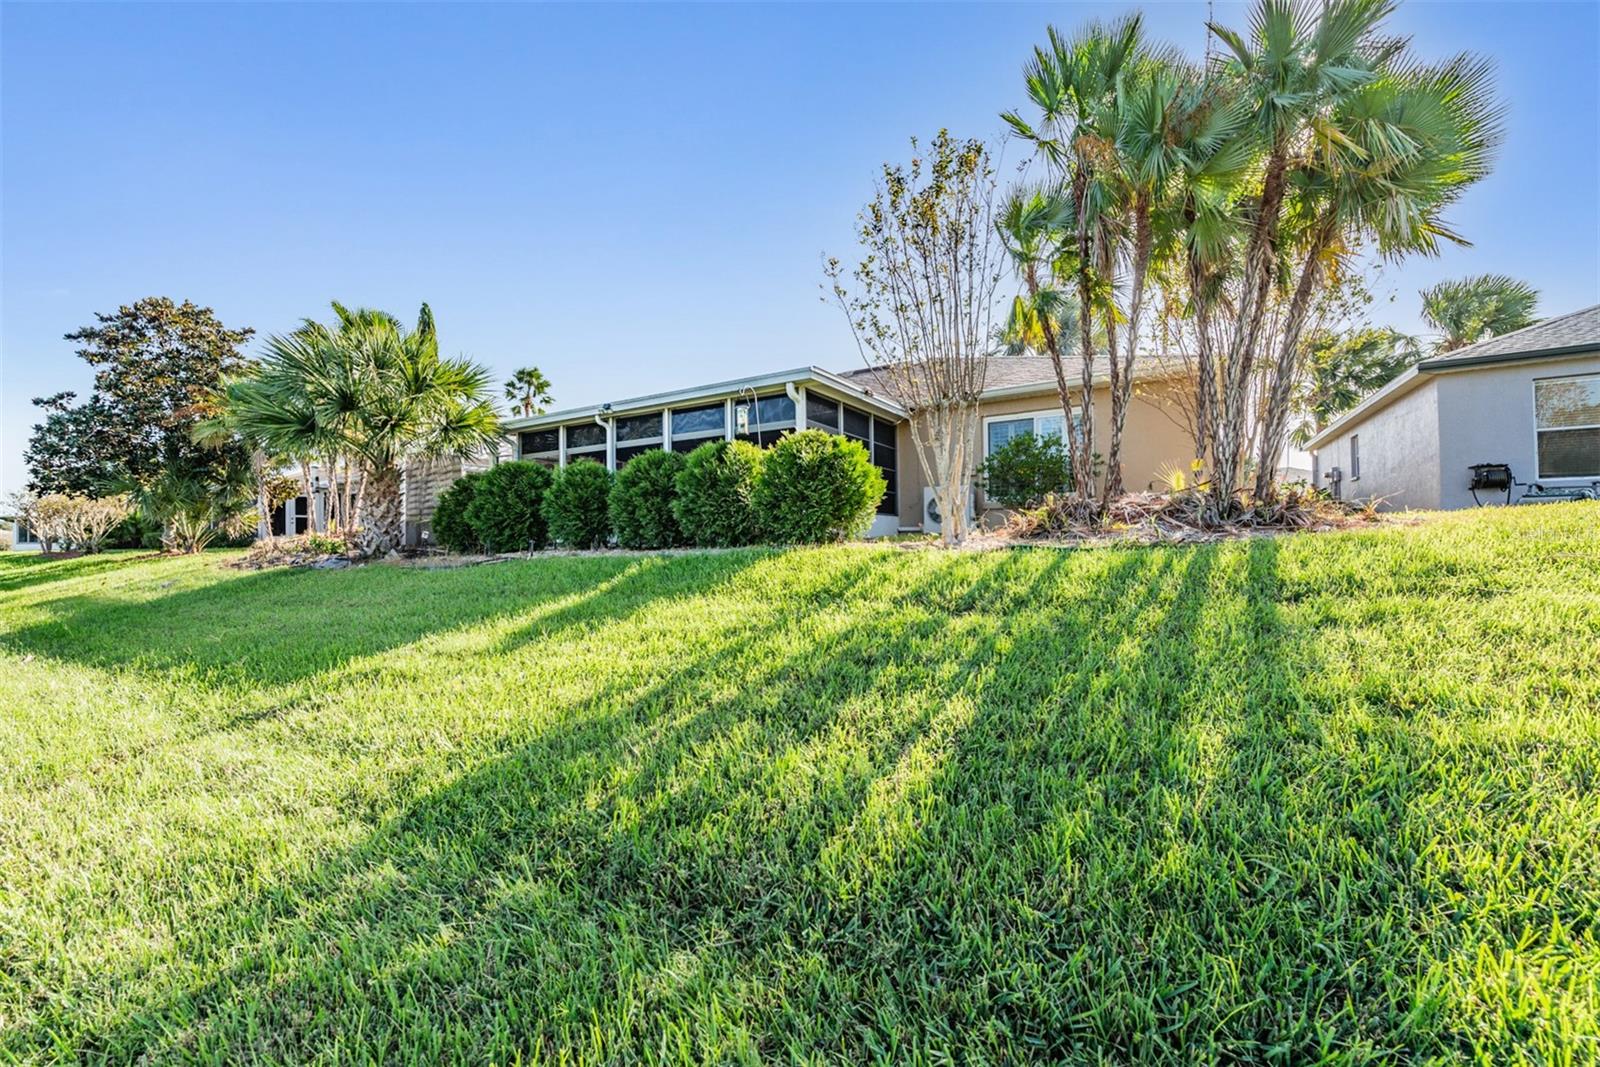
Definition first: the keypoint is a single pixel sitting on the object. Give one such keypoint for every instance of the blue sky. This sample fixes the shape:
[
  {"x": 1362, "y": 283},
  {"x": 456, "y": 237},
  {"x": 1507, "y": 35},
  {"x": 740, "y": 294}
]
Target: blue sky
[{"x": 632, "y": 198}]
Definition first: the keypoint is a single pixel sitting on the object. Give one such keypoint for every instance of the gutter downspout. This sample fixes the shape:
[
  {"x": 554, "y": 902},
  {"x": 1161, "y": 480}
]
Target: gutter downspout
[
  {"x": 611, "y": 443},
  {"x": 798, "y": 396}
]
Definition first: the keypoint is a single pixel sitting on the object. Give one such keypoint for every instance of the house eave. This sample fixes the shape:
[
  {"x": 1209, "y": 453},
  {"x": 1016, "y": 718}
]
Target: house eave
[{"x": 880, "y": 405}]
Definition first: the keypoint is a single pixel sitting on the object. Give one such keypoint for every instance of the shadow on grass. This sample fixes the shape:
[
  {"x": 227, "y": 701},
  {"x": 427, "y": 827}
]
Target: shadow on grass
[{"x": 1021, "y": 807}]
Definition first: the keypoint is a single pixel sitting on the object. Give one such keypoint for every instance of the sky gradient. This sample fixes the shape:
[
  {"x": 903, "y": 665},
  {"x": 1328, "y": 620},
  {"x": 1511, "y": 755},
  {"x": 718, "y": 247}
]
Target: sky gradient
[{"x": 632, "y": 198}]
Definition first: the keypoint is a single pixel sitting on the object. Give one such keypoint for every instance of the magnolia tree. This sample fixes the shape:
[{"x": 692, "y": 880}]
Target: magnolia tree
[{"x": 921, "y": 305}]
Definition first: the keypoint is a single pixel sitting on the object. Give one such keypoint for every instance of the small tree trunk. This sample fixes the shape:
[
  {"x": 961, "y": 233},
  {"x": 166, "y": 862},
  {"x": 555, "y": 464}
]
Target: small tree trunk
[
  {"x": 1122, "y": 377},
  {"x": 258, "y": 461},
  {"x": 383, "y": 519},
  {"x": 1275, "y": 423}
]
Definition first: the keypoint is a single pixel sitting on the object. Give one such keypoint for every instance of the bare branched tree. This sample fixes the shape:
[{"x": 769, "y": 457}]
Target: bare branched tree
[{"x": 921, "y": 305}]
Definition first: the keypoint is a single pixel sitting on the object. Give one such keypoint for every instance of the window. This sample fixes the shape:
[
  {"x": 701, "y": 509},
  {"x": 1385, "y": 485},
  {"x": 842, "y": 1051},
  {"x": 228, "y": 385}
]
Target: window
[
  {"x": 710, "y": 420},
  {"x": 538, "y": 442},
  {"x": 857, "y": 424},
  {"x": 764, "y": 420},
  {"x": 885, "y": 458},
  {"x": 821, "y": 412},
  {"x": 626, "y": 454},
  {"x": 640, "y": 427},
  {"x": 1002, "y": 428},
  {"x": 585, "y": 435},
  {"x": 1566, "y": 415},
  {"x": 1355, "y": 457}
]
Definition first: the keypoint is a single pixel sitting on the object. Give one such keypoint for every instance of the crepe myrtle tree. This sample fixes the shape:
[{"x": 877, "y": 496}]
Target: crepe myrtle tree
[{"x": 921, "y": 304}]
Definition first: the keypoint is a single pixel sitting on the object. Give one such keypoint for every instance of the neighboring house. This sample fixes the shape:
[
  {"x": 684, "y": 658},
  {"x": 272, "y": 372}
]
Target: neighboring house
[
  {"x": 1020, "y": 396},
  {"x": 421, "y": 482},
  {"x": 1529, "y": 399},
  {"x": 18, "y": 537}
]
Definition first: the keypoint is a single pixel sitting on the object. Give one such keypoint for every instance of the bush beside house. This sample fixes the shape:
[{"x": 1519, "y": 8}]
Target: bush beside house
[
  {"x": 577, "y": 505},
  {"x": 816, "y": 487},
  {"x": 642, "y": 499},
  {"x": 715, "y": 504},
  {"x": 1025, "y": 470},
  {"x": 505, "y": 513},
  {"x": 451, "y": 530}
]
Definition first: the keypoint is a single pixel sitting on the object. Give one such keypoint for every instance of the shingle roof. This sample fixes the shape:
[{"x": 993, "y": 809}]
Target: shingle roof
[
  {"x": 1571, "y": 332},
  {"x": 1022, "y": 372}
]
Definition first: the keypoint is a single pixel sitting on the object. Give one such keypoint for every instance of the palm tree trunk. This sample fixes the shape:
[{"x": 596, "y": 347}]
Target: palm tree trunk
[
  {"x": 1052, "y": 344},
  {"x": 1228, "y": 427},
  {"x": 1274, "y": 429},
  {"x": 383, "y": 519},
  {"x": 1083, "y": 461},
  {"x": 1122, "y": 377},
  {"x": 258, "y": 463}
]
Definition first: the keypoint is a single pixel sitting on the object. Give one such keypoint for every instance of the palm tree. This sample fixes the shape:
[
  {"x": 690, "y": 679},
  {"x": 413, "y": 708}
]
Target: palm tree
[
  {"x": 1471, "y": 309},
  {"x": 1383, "y": 166},
  {"x": 1072, "y": 84},
  {"x": 374, "y": 392},
  {"x": 529, "y": 390},
  {"x": 1300, "y": 62}
]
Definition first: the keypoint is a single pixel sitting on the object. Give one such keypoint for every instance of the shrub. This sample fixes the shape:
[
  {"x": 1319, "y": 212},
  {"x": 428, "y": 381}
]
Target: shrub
[
  {"x": 641, "y": 501},
  {"x": 816, "y": 487},
  {"x": 505, "y": 513},
  {"x": 450, "y": 527},
  {"x": 576, "y": 505},
  {"x": 716, "y": 493},
  {"x": 1025, "y": 470}
]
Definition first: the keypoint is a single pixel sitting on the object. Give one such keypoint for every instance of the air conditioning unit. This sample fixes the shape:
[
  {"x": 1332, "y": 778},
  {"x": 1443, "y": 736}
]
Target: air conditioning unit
[{"x": 932, "y": 521}]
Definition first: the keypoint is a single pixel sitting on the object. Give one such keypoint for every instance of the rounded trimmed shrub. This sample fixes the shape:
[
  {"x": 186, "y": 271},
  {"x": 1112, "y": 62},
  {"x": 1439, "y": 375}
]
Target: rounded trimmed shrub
[
  {"x": 1025, "y": 470},
  {"x": 505, "y": 510},
  {"x": 576, "y": 505},
  {"x": 641, "y": 501},
  {"x": 715, "y": 505},
  {"x": 816, "y": 487},
  {"x": 449, "y": 527}
]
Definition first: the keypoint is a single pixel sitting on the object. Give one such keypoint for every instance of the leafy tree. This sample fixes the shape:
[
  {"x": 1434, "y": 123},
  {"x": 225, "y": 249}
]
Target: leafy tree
[
  {"x": 1026, "y": 469},
  {"x": 370, "y": 390},
  {"x": 504, "y": 511},
  {"x": 1343, "y": 368},
  {"x": 715, "y": 503},
  {"x": 641, "y": 504},
  {"x": 65, "y": 452},
  {"x": 529, "y": 390},
  {"x": 156, "y": 364},
  {"x": 921, "y": 304},
  {"x": 1468, "y": 310}
]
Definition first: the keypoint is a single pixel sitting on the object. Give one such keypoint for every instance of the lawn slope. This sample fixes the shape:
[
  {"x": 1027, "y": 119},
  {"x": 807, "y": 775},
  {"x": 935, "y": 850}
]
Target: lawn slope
[{"x": 1329, "y": 797}]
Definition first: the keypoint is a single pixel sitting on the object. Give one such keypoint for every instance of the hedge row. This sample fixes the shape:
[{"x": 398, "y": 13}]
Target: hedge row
[{"x": 810, "y": 488}]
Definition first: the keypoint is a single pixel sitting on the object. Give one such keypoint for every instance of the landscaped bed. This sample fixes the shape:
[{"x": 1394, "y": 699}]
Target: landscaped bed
[{"x": 1273, "y": 799}]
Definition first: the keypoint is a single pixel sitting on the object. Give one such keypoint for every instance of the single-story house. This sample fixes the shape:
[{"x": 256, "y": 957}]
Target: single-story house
[
  {"x": 1020, "y": 396},
  {"x": 1529, "y": 400}
]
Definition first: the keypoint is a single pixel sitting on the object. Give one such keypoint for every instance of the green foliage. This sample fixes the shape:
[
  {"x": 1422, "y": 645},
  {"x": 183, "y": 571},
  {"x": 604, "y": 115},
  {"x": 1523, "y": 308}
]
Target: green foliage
[
  {"x": 449, "y": 527},
  {"x": 1023, "y": 471},
  {"x": 715, "y": 505},
  {"x": 1343, "y": 368},
  {"x": 529, "y": 390},
  {"x": 505, "y": 509},
  {"x": 816, "y": 487},
  {"x": 195, "y": 501},
  {"x": 1305, "y": 799},
  {"x": 577, "y": 505},
  {"x": 1469, "y": 310},
  {"x": 157, "y": 363},
  {"x": 642, "y": 499}
]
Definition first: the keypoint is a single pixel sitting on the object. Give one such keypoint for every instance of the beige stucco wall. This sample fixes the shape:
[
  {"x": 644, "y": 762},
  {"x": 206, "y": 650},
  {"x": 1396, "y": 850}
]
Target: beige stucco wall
[{"x": 1154, "y": 438}]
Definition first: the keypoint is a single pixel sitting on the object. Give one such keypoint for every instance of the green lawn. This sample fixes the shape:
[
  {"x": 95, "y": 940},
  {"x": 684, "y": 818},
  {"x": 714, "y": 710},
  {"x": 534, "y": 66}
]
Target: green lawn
[{"x": 1321, "y": 797}]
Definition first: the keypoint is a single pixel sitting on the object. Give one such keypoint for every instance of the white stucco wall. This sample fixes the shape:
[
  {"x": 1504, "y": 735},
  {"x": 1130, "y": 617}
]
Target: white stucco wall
[
  {"x": 1399, "y": 453},
  {"x": 1486, "y": 416}
]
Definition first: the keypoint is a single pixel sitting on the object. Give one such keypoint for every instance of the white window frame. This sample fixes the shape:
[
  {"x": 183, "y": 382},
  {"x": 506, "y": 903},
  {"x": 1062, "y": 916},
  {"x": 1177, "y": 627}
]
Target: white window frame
[
  {"x": 1533, "y": 395},
  {"x": 1017, "y": 416}
]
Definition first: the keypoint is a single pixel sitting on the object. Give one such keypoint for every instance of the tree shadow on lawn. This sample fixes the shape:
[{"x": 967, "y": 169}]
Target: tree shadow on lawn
[
  {"x": 1028, "y": 807},
  {"x": 272, "y": 628},
  {"x": 22, "y": 570},
  {"x": 693, "y": 823}
]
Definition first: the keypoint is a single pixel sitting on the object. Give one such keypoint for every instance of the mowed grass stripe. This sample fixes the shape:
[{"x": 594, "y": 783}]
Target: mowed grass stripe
[{"x": 1309, "y": 798}]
